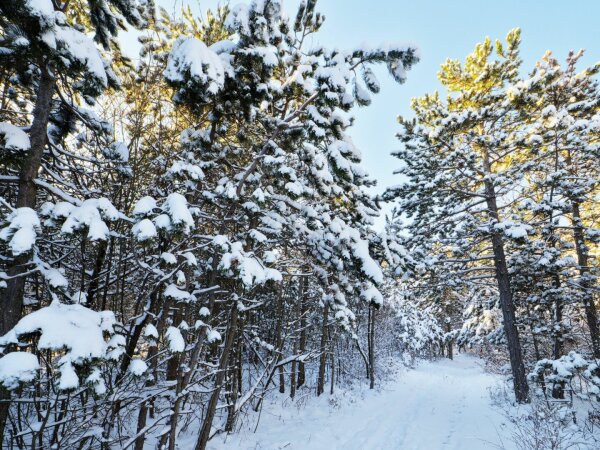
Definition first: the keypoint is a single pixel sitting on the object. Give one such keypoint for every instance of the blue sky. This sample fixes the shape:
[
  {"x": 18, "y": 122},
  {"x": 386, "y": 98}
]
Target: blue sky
[{"x": 442, "y": 29}]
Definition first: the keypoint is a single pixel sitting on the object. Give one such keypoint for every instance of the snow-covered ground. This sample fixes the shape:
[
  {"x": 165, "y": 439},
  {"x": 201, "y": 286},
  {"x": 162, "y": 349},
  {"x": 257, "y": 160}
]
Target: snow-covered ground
[{"x": 439, "y": 405}]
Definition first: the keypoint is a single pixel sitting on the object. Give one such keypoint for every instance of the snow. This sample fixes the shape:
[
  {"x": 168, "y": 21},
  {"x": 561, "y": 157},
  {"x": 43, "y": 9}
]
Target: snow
[
  {"x": 203, "y": 64},
  {"x": 89, "y": 215},
  {"x": 72, "y": 48},
  {"x": 168, "y": 258},
  {"x": 190, "y": 259},
  {"x": 119, "y": 151},
  {"x": 138, "y": 367},
  {"x": 194, "y": 172},
  {"x": 79, "y": 297},
  {"x": 15, "y": 139},
  {"x": 239, "y": 18},
  {"x": 21, "y": 232},
  {"x": 42, "y": 9},
  {"x": 150, "y": 331},
  {"x": 17, "y": 367},
  {"x": 60, "y": 209},
  {"x": 144, "y": 206},
  {"x": 439, "y": 405},
  {"x": 54, "y": 277},
  {"x": 68, "y": 377},
  {"x": 95, "y": 379},
  {"x": 213, "y": 336},
  {"x": 175, "y": 340},
  {"x": 372, "y": 295},
  {"x": 359, "y": 248},
  {"x": 144, "y": 230},
  {"x": 81, "y": 50},
  {"x": 74, "y": 329},
  {"x": 251, "y": 271},
  {"x": 267, "y": 55},
  {"x": 176, "y": 206},
  {"x": 175, "y": 293},
  {"x": 514, "y": 230}
]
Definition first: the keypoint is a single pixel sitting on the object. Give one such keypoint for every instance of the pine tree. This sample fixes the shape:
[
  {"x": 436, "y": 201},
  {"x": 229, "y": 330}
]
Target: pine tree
[
  {"x": 457, "y": 158},
  {"x": 51, "y": 68},
  {"x": 561, "y": 107},
  {"x": 293, "y": 181}
]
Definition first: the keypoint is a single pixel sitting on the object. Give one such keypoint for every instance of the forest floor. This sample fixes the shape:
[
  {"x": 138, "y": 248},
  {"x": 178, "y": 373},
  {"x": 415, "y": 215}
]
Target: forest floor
[{"x": 439, "y": 405}]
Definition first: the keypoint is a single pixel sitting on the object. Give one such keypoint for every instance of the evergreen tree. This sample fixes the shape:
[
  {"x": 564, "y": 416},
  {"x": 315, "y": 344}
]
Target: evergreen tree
[
  {"x": 561, "y": 106},
  {"x": 457, "y": 158},
  {"x": 51, "y": 68}
]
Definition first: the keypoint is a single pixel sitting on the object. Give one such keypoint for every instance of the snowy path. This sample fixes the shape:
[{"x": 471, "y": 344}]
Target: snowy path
[{"x": 439, "y": 405}]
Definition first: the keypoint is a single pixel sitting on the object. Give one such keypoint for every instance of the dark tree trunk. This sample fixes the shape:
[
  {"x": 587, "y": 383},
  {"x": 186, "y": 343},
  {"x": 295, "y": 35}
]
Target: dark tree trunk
[
  {"x": 332, "y": 380},
  {"x": 323, "y": 350},
  {"x": 173, "y": 363},
  {"x": 219, "y": 378},
  {"x": 137, "y": 333},
  {"x": 589, "y": 306},
  {"x": 558, "y": 389},
  {"x": 302, "y": 344},
  {"x": 450, "y": 350},
  {"x": 176, "y": 411},
  {"x": 141, "y": 424},
  {"x": 11, "y": 301},
  {"x": 12, "y": 298},
  {"x": 557, "y": 349},
  {"x": 235, "y": 381},
  {"x": 295, "y": 351},
  {"x": 95, "y": 279},
  {"x": 506, "y": 300},
  {"x": 510, "y": 328},
  {"x": 508, "y": 312},
  {"x": 279, "y": 338},
  {"x": 293, "y": 378},
  {"x": 371, "y": 347}
]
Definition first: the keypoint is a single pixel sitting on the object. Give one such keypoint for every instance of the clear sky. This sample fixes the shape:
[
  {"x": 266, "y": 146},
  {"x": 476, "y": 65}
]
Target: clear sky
[{"x": 442, "y": 29}]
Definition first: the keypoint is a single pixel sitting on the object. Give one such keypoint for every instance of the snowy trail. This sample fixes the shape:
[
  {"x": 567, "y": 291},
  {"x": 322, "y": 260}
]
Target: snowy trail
[{"x": 439, "y": 405}]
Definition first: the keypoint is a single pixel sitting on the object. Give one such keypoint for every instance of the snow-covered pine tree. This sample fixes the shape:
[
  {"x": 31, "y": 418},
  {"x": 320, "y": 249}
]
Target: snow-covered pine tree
[
  {"x": 560, "y": 107},
  {"x": 271, "y": 168},
  {"x": 51, "y": 145},
  {"x": 457, "y": 160}
]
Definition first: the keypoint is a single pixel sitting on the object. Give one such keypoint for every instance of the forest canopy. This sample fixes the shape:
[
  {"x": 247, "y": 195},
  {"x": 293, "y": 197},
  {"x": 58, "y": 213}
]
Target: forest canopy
[{"x": 183, "y": 234}]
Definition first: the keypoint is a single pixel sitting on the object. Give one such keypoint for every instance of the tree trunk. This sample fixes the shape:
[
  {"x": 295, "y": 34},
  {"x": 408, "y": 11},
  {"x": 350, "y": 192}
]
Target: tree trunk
[
  {"x": 558, "y": 389},
  {"x": 173, "y": 363},
  {"x": 137, "y": 333},
  {"x": 581, "y": 249},
  {"x": 279, "y": 338},
  {"x": 235, "y": 380},
  {"x": 295, "y": 352},
  {"x": 557, "y": 348},
  {"x": 220, "y": 376},
  {"x": 141, "y": 424},
  {"x": 508, "y": 313},
  {"x": 302, "y": 345},
  {"x": 95, "y": 279},
  {"x": 323, "y": 349},
  {"x": 506, "y": 300},
  {"x": 371, "y": 347},
  {"x": 449, "y": 345},
  {"x": 332, "y": 380},
  {"x": 510, "y": 328},
  {"x": 293, "y": 377},
  {"x": 11, "y": 301},
  {"x": 176, "y": 410}
]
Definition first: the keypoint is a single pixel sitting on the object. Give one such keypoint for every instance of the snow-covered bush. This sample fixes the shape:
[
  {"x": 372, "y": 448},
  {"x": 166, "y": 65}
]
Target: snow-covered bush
[{"x": 572, "y": 372}]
